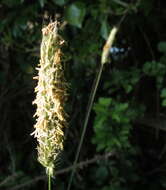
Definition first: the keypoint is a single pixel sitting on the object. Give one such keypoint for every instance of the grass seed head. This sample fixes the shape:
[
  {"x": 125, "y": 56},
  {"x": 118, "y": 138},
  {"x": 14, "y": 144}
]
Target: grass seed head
[{"x": 50, "y": 98}]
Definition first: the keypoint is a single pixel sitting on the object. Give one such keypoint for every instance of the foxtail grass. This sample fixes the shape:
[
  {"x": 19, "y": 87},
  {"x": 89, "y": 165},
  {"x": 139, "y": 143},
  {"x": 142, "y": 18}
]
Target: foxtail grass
[{"x": 51, "y": 94}]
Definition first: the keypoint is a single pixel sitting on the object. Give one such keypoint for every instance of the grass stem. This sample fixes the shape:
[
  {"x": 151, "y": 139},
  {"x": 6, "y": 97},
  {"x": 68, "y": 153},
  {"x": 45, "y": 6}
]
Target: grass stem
[{"x": 49, "y": 181}]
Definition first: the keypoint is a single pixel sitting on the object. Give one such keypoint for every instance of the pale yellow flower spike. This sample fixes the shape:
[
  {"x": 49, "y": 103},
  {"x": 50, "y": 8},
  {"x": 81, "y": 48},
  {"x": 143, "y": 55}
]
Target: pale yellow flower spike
[{"x": 50, "y": 98}]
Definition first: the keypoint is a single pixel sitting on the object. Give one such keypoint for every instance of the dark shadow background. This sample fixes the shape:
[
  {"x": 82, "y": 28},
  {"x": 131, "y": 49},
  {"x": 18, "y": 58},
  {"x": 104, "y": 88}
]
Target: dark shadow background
[{"x": 135, "y": 75}]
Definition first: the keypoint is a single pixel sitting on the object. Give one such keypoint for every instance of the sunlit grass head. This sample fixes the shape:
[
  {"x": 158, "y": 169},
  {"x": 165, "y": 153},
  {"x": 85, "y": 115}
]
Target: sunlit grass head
[{"x": 50, "y": 98}]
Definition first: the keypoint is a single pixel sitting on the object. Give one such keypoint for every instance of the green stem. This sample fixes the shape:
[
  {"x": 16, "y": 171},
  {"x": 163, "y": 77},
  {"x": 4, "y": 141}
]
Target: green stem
[
  {"x": 90, "y": 103},
  {"x": 49, "y": 181}
]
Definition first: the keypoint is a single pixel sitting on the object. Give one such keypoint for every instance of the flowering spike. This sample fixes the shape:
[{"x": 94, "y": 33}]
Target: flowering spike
[{"x": 50, "y": 98}]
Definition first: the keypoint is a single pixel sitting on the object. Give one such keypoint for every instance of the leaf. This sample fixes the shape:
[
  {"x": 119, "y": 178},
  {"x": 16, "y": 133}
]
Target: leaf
[
  {"x": 41, "y": 3},
  {"x": 116, "y": 117},
  {"x": 105, "y": 101},
  {"x": 104, "y": 31},
  {"x": 128, "y": 88},
  {"x": 146, "y": 6},
  {"x": 162, "y": 47},
  {"x": 60, "y": 2},
  {"x": 75, "y": 14},
  {"x": 101, "y": 173},
  {"x": 163, "y": 93},
  {"x": 164, "y": 102},
  {"x": 11, "y": 3},
  {"x": 99, "y": 123},
  {"x": 122, "y": 107}
]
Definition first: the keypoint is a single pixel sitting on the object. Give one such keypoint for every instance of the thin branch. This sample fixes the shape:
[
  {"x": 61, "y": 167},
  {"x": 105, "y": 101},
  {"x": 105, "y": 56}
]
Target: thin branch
[
  {"x": 30, "y": 182},
  {"x": 9, "y": 178},
  {"x": 87, "y": 162},
  {"x": 65, "y": 170},
  {"x": 156, "y": 123},
  {"x": 121, "y": 3},
  {"x": 147, "y": 41}
]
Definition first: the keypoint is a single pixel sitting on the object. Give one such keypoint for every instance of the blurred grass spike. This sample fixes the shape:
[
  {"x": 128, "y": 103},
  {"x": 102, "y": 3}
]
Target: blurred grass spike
[{"x": 51, "y": 94}]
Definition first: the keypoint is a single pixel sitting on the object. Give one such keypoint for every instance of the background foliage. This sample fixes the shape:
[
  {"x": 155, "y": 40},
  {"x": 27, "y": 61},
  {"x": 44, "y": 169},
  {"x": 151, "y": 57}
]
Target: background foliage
[{"x": 128, "y": 117}]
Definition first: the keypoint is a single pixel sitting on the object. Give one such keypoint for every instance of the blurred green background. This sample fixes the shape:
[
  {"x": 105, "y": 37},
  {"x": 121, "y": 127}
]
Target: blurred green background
[{"x": 129, "y": 115}]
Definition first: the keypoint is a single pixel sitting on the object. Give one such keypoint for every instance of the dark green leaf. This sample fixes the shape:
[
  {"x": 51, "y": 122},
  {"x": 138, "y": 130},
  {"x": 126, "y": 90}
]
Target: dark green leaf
[
  {"x": 104, "y": 31},
  {"x": 163, "y": 93},
  {"x": 101, "y": 173},
  {"x": 162, "y": 47},
  {"x": 42, "y": 2},
  {"x": 105, "y": 101},
  {"x": 60, "y": 2},
  {"x": 75, "y": 14},
  {"x": 164, "y": 102}
]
